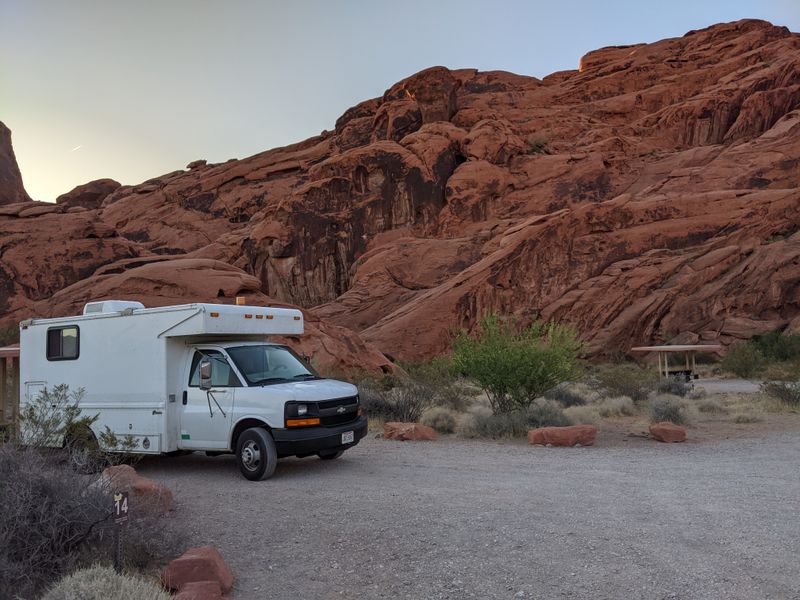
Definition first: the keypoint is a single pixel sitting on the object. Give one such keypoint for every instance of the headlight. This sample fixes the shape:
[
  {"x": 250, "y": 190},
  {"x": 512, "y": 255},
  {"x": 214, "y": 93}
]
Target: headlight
[{"x": 302, "y": 409}]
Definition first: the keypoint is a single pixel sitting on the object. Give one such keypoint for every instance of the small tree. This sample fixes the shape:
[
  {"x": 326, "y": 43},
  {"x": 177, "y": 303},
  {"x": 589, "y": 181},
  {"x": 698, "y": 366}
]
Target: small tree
[{"x": 515, "y": 368}]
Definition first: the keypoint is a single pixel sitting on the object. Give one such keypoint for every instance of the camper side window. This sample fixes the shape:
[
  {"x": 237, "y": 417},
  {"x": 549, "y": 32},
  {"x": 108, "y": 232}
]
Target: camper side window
[
  {"x": 63, "y": 343},
  {"x": 221, "y": 373}
]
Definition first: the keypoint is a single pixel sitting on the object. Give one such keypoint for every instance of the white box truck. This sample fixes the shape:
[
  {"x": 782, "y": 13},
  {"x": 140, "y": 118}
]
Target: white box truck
[{"x": 194, "y": 377}]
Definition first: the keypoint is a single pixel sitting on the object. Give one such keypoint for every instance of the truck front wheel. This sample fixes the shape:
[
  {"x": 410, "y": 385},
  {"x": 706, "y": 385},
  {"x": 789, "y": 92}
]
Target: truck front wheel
[{"x": 256, "y": 454}]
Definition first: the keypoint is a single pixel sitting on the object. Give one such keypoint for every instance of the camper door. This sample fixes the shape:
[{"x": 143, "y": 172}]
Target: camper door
[{"x": 207, "y": 413}]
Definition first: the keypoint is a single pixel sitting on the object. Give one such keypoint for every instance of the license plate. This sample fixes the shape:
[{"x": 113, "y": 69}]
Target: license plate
[{"x": 348, "y": 437}]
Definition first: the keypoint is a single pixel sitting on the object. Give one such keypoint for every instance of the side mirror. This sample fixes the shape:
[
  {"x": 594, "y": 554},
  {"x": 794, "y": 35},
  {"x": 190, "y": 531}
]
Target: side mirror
[{"x": 205, "y": 375}]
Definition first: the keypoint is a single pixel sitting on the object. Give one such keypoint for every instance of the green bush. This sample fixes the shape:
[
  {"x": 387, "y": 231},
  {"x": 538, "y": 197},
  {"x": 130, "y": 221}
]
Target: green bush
[
  {"x": 668, "y": 408},
  {"x": 515, "y": 368},
  {"x": 442, "y": 419},
  {"x": 786, "y": 392},
  {"x": 743, "y": 360},
  {"x": 103, "y": 583},
  {"x": 542, "y": 413},
  {"x": 778, "y": 346},
  {"x": 625, "y": 379}
]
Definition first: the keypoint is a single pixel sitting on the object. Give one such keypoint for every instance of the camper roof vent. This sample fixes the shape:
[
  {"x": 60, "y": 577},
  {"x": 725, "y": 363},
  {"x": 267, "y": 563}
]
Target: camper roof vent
[{"x": 110, "y": 306}]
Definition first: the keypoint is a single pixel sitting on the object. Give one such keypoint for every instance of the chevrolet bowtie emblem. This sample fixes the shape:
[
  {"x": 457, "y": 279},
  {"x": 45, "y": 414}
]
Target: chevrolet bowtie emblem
[{"x": 341, "y": 409}]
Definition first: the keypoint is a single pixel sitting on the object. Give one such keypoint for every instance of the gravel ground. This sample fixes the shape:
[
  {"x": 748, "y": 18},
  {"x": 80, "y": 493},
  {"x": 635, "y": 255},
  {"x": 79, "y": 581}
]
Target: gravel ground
[
  {"x": 721, "y": 386},
  {"x": 478, "y": 519}
]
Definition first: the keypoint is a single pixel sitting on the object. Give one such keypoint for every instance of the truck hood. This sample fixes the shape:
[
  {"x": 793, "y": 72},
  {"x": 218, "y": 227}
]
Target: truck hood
[{"x": 315, "y": 390}]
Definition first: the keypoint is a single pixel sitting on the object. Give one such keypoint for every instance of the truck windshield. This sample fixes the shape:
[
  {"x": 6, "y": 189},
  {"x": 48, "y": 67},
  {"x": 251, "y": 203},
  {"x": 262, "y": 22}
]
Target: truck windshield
[{"x": 262, "y": 365}]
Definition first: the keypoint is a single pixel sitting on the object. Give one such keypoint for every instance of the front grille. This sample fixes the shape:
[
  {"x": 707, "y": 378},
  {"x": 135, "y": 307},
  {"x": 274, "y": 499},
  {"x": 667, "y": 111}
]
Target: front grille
[
  {"x": 338, "y": 419},
  {"x": 337, "y": 403}
]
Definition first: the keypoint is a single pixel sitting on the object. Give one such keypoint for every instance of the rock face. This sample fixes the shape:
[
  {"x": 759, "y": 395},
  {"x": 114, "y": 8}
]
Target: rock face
[
  {"x": 650, "y": 194},
  {"x": 11, "y": 188},
  {"x": 667, "y": 432},
  {"x": 409, "y": 432},
  {"x": 563, "y": 436},
  {"x": 145, "y": 494},
  {"x": 198, "y": 565}
]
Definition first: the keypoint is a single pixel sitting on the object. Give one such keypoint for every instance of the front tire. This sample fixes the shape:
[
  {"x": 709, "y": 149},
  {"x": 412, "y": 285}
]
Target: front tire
[{"x": 256, "y": 454}]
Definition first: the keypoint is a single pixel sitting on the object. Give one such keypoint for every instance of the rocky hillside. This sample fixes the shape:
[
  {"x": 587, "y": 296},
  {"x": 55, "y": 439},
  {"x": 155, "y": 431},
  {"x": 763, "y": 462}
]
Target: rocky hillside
[{"x": 650, "y": 195}]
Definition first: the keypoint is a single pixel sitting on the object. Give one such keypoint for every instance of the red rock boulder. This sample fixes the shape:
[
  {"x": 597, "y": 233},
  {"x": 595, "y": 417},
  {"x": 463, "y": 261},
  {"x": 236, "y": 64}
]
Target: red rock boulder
[
  {"x": 667, "y": 432},
  {"x": 563, "y": 436},
  {"x": 198, "y": 566},
  {"x": 200, "y": 590},
  {"x": 409, "y": 431},
  {"x": 143, "y": 491}
]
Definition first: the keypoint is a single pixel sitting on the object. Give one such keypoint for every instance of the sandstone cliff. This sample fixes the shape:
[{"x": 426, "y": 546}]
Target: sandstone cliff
[{"x": 651, "y": 194}]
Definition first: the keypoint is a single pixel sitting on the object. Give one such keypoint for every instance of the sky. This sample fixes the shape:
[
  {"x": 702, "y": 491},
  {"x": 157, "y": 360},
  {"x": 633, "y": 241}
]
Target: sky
[{"x": 132, "y": 90}]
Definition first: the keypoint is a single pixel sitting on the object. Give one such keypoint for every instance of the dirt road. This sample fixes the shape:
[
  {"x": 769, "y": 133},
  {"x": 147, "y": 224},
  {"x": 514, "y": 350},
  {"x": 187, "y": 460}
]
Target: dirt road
[{"x": 468, "y": 519}]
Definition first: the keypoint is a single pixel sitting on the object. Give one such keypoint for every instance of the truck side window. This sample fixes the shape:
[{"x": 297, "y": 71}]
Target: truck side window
[
  {"x": 63, "y": 343},
  {"x": 221, "y": 373}
]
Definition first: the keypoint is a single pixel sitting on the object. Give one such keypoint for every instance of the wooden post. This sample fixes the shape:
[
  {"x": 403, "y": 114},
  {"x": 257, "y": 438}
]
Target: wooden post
[{"x": 4, "y": 389}]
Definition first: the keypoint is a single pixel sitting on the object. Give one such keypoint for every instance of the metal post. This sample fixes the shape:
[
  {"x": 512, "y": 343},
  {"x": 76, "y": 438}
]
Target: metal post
[
  {"x": 119, "y": 558},
  {"x": 4, "y": 385}
]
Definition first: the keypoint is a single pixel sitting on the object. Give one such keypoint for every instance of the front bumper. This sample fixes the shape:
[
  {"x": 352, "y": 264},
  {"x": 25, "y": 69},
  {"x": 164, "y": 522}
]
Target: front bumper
[{"x": 305, "y": 441}]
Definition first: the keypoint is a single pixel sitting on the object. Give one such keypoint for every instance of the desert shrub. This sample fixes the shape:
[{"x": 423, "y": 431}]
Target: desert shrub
[
  {"x": 624, "y": 379},
  {"x": 620, "y": 406},
  {"x": 53, "y": 417},
  {"x": 778, "y": 346},
  {"x": 542, "y": 413},
  {"x": 566, "y": 396},
  {"x": 677, "y": 386},
  {"x": 515, "y": 368},
  {"x": 743, "y": 360},
  {"x": 440, "y": 418},
  {"x": 101, "y": 583},
  {"x": 405, "y": 402},
  {"x": 537, "y": 145},
  {"x": 583, "y": 415},
  {"x": 668, "y": 408},
  {"x": 787, "y": 392},
  {"x": 711, "y": 406},
  {"x": 749, "y": 415}
]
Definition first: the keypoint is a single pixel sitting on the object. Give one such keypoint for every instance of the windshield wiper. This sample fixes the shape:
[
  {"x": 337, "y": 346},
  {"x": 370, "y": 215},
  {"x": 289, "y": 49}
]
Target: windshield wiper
[
  {"x": 305, "y": 376},
  {"x": 268, "y": 379}
]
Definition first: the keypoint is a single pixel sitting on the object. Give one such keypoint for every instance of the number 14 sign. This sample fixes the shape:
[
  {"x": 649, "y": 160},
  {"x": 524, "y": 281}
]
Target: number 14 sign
[{"x": 120, "y": 507}]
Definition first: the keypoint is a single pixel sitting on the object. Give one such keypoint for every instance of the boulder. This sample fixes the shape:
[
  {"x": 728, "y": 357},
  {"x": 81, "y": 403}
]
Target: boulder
[
  {"x": 409, "y": 431},
  {"x": 203, "y": 564},
  {"x": 667, "y": 432},
  {"x": 200, "y": 590},
  {"x": 89, "y": 195},
  {"x": 143, "y": 491},
  {"x": 563, "y": 436}
]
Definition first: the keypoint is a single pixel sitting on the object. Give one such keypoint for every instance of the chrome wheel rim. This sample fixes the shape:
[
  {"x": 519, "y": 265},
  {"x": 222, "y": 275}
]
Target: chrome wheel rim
[{"x": 251, "y": 455}]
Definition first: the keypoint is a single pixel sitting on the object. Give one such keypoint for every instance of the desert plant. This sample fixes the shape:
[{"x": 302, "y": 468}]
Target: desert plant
[
  {"x": 566, "y": 396},
  {"x": 749, "y": 415},
  {"x": 101, "y": 583},
  {"x": 583, "y": 415},
  {"x": 54, "y": 417},
  {"x": 515, "y": 368},
  {"x": 668, "y": 408},
  {"x": 787, "y": 392},
  {"x": 710, "y": 405},
  {"x": 405, "y": 402},
  {"x": 743, "y": 360},
  {"x": 440, "y": 418},
  {"x": 542, "y": 413},
  {"x": 537, "y": 145},
  {"x": 677, "y": 386},
  {"x": 778, "y": 346},
  {"x": 624, "y": 379},
  {"x": 619, "y": 406}
]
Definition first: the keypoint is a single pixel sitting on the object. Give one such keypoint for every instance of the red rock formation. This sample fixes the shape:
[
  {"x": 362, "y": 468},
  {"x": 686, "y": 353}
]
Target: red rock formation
[
  {"x": 409, "y": 431},
  {"x": 667, "y": 432},
  {"x": 563, "y": 436},
  {"x": 653, "y": 193},
  {"x": 145, "y": 493},
  {"x": 198, "y": 565},
  {"x": 11, "y": 188}
]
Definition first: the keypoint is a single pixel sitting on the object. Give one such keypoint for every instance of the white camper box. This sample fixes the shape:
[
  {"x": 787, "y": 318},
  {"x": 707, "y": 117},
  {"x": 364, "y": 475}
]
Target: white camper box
[{"x": 147, "y": 373}]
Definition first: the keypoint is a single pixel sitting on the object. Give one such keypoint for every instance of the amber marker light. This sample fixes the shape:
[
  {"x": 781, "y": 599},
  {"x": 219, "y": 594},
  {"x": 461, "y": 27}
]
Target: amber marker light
[
  {"x": 248, "y": 316},
  {"x": 240, "y": 300},
  {"x": 214, "y": 314},
  {"x": 301, "y": 422},
  {"x": 269, "y": 316},
  {"x": 259, "y": 316},
  {"x": 297, "y": 318}
]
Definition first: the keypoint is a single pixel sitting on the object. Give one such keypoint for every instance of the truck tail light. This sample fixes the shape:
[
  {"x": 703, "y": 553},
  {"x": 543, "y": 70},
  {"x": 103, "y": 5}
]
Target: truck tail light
[{"x": 302, "y": 422}]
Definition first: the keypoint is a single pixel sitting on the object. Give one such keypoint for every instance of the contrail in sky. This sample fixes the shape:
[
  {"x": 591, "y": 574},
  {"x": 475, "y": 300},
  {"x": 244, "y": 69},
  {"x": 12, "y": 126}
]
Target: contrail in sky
[{"x": 76, "y": 148}]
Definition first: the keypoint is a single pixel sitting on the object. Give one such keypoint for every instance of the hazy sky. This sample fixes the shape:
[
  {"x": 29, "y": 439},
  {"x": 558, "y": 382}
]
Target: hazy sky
[{"x": 131, "y": 90}]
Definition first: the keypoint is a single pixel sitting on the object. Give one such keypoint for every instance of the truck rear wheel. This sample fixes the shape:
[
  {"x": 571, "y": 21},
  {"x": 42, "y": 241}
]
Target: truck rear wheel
[{"x": 256, "y": 454}]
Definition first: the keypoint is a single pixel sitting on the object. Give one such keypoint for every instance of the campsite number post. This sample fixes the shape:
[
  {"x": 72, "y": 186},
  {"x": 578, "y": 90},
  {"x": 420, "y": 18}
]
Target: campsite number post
[{"x": 120, "y": 518}]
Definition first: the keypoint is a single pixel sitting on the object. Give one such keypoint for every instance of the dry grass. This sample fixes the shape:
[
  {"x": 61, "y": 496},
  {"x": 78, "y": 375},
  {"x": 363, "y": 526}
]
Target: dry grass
[
  {"x": 619, "y": 406},
  {"x": 442, "y": 419},
  {"x": 583, "y": 415},
  {"x": 711, "y": 406},
  {"x": 751, "y": 415}
]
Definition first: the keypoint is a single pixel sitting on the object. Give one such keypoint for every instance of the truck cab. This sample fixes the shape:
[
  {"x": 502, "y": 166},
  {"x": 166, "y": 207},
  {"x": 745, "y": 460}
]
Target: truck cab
[{"x": 194, "y": 377}]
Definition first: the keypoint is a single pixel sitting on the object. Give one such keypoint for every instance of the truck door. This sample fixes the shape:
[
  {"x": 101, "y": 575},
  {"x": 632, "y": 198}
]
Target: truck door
[{"x": 206, "y": 415}]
